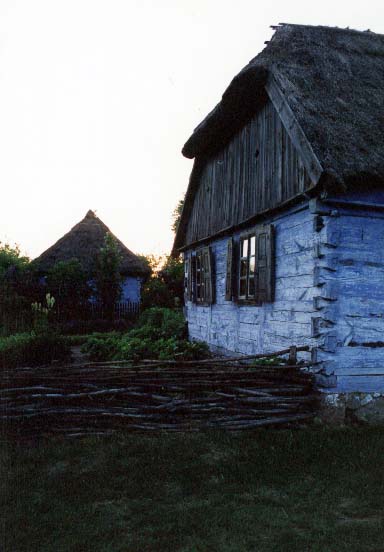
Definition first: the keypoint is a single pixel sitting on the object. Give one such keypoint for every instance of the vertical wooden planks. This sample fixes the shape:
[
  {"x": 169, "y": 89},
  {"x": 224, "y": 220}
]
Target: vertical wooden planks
[{"x": 257, "y": 170}]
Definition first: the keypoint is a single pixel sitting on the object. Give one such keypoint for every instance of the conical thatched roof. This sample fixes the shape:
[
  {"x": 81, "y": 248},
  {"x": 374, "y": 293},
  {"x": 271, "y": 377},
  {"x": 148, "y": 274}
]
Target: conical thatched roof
[
  {"x": 333, "y": 81},
  {"x": 83, "y": 242}
]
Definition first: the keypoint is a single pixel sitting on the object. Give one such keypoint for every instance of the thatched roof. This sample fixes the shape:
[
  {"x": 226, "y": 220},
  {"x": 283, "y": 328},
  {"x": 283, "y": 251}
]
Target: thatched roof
[
  {"x": 333, "y": 81},
  {"x": 83, "y": 242}
]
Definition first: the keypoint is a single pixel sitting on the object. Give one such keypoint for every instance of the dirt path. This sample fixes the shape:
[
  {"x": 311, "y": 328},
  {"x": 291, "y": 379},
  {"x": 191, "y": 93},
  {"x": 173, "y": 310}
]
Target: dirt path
[{"x": 77, "y": 356}]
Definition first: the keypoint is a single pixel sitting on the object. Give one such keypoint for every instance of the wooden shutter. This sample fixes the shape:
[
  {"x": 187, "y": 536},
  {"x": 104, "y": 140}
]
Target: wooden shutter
[
  {"x": 264, "y": 273},
  {"x": 192, "y": 278},
  {"x": 208, "y": 275},
  {"x": 188, "y": 261},
  {"x": 229, "y": 274}
]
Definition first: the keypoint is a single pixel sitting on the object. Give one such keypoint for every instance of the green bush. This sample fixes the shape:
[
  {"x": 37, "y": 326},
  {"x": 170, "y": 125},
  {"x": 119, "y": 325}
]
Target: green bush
[
  {"x": 181, "y": 348},
  {"x": 99, "y": 348},
  {"x": 31, "y": 350},
  {"x": 134, "y": 348},
  {"x": 160, "y": 334},
  {"x": 157, "y": 323}
]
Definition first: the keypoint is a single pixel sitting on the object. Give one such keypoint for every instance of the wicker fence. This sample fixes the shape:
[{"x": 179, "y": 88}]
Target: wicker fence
[{"x": 100, "y": 398}]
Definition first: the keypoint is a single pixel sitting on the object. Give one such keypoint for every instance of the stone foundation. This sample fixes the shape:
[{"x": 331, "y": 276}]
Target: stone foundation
[{"x": 347, "y": 408}]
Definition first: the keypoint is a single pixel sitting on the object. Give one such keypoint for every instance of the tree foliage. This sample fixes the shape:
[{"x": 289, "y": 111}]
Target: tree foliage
[
  {"x": 18, "y": 287},
  {"x": 68, "y": 283},
  {"x": 108, "y": 278},
  {"x": 11, "y": 260},
  {"x": 164, "y": 287},
  {"x": 153, "y": 262},
  {"x": 176, "y": 215}
]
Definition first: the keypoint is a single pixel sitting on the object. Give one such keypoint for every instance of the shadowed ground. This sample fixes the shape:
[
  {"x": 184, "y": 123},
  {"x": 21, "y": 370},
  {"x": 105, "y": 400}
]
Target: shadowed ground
[{"x": 268, "y": 490}]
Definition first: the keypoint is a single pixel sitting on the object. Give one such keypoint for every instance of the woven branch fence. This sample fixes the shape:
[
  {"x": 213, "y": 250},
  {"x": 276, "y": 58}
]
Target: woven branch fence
[{"x": 101, "y": 398}]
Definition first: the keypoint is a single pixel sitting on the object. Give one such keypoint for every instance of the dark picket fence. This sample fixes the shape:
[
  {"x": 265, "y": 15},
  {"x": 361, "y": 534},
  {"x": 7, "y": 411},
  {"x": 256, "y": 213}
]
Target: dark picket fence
[
  {"x": 101, "y": 398},
  {"x": 123, "y": 310},
  {"x": 21, "y": 320}
]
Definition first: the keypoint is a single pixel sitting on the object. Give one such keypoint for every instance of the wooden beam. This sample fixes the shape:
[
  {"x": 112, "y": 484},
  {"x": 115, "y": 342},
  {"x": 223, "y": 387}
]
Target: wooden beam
[{"x": 294, "y": 130}]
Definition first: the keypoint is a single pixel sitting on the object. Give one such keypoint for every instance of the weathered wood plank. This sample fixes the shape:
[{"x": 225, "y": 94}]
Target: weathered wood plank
[{"x": 259, "y": 169}]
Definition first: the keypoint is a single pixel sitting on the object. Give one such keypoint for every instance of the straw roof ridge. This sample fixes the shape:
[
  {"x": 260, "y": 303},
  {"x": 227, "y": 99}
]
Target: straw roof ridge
[
  {"x": 83, "y": 242},
  {"x": 333, "y": 81}
]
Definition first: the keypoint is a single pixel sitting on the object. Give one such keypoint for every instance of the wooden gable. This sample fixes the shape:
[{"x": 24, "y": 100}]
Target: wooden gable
[{"x": 259, "y": 169}]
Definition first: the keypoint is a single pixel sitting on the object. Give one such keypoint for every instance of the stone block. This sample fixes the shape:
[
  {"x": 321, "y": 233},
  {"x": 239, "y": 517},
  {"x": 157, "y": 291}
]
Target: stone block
[
  {"x": 371, "y": 411},
  {"x": 332, "y": 409}
]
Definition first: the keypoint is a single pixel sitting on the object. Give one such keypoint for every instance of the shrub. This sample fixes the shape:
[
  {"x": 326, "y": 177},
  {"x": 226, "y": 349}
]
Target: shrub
[
  {"x": 135, "y": 349},
  {"x": 31, "y": 350},
  {"x": 157, "y": 323},
  {"x": 99, "y": 348},
  {"x": 160, "y": 334},
  {"x": 181, "y": 348}
]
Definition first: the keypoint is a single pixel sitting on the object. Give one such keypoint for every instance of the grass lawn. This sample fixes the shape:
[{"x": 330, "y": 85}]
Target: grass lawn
[{"x": 305, "y": 490}]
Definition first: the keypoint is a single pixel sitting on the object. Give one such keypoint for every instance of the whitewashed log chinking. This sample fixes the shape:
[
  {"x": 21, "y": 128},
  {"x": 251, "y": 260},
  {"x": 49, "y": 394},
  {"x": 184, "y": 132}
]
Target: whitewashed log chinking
[{"x": 282, "y": 229}]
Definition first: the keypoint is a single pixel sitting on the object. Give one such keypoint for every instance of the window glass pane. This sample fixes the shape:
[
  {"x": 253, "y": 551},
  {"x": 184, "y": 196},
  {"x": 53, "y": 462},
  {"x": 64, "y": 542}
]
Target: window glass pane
[
  {"x": 251, "y": 287},
  {"x": 244, "y": 248},
  {"x": 252, "y": 266},
  {"x": 252, "y": 244},
  {"x": 243, "y": 284},
  {"x": 243, "y": 268}
]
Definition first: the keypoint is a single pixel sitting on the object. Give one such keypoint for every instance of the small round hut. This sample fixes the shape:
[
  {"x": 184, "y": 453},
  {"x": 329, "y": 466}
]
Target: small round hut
[{"x": 83, "y": 242}]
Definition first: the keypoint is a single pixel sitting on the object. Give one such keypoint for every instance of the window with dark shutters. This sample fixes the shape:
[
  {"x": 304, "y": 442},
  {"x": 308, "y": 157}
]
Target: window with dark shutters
[
  {"x": 256, "y": 266},
  {"x": 246, "y": 288}
]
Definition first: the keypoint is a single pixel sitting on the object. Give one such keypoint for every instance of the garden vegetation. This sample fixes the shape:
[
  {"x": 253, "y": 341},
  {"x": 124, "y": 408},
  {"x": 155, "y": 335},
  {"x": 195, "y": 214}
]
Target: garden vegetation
[{"x": 160, "y": 333}]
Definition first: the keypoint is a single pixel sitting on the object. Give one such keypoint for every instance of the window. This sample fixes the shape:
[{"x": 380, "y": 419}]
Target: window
[
  {"x": 198, "y": 277},
  {"x": 204, "y": 286},
  {"x": 247, "y": 267},
  {"x": 254, "y": 267}
]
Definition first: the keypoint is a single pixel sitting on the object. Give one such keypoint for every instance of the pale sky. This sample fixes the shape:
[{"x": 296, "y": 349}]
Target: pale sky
[{"x": 97, "y": 98}]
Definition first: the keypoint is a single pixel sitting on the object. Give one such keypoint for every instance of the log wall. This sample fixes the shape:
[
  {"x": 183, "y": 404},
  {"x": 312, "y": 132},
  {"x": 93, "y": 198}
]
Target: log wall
[
  {"x": 226, "y": 325},
  {"x": 350, "y": 319},
  {"x": 329, "y": 294}
]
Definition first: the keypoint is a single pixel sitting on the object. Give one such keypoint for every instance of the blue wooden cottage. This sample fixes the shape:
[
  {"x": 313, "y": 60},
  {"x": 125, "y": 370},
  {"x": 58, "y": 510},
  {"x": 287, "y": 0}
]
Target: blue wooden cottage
[
  {"x": 282, "y": 229},
  {"x": 83, "y": 242}
]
